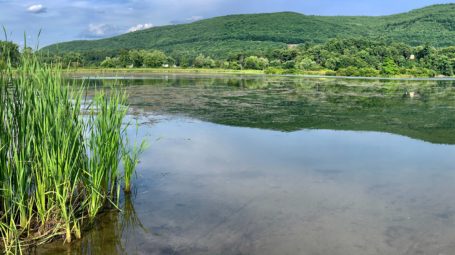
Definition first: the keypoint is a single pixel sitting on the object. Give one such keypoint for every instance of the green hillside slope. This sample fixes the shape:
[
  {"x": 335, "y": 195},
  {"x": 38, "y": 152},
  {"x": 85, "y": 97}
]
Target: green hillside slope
[{"x": 260, "y": 32}]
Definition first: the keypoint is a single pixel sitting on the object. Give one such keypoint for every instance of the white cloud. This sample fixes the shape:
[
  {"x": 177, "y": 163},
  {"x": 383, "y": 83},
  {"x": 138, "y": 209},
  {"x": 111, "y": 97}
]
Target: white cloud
[
  {"x": 101, "y": 30},
  {"x": 140, "y": 27},
  {"x": 36, "y": 8},
  {"x": 98, "y": 29}
]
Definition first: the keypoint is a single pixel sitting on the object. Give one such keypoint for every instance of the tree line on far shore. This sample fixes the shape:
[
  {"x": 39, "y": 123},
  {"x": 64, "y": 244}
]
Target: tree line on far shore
[{"x": 343, "y": 57}]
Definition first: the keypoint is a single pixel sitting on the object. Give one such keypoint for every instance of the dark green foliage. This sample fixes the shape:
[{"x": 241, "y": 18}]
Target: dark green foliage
[
  {"x": 354, "y": 71},
  {"x": 8, "y": 52},
  {"x": 111, "y": 63},
  {"x": 136, "y": 58},
  {"x": 413, "y": 43},
  {"x": 256, "y": 63},
  {"x": 345, "y": 57},
  {"x": 390, "y": 67},
  {"x": 155, "y": 59},
  {"x": 202, "y": 61},
  {"x": 256, "y": 33}
]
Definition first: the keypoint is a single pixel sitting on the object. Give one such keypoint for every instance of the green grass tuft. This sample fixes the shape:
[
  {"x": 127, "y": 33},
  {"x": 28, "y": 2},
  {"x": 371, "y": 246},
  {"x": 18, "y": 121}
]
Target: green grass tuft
[{"x": 59, "y": 154}]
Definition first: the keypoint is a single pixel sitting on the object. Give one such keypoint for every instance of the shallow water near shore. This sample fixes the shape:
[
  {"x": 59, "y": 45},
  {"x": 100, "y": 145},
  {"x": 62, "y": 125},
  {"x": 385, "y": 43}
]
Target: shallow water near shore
[{"x": 285, "y": 165}]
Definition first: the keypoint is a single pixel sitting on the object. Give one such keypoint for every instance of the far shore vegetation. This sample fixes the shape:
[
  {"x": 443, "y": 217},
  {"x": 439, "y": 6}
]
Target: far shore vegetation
[{"x": 337, "y": 57}]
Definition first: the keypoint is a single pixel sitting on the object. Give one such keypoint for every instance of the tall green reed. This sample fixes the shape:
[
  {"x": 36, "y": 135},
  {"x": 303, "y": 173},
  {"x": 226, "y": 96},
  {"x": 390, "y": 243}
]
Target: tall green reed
[
  {"x": 105, "y": 141},
  {"x": 59, "y": 158}
]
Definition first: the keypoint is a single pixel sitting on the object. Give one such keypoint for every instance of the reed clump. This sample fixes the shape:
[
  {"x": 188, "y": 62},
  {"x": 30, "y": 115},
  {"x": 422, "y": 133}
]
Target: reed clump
[
  {"x": 130, "y": 159},
  {"x": 59, "y": 155}
]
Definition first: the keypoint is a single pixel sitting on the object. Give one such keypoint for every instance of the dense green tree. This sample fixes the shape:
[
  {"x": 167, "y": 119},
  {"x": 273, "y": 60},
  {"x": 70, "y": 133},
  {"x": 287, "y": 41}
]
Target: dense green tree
[
  {"x": 289, "y": 64},
  {"x": 111, "y": 62},
  {"x": 234, "y": 65},
  {"x": 124, "y": 58},
  {"x": 424, "y": 52},
  {"x": 352, "y": 56},
  {"x": 154, "y": 59},
  {"x": 286, "y": 54},
  {"x": 443, "y": 65},
  {"x": 202, "y": 61},
  {"x": 256, "y": 63},
  {"x": 9, "y": 52},
  {"x": 307, "y": 64},
  {"x": 72, "y": 59},
  {"x": 389, "y": 67},
  {"x": 137, "y": 57}
]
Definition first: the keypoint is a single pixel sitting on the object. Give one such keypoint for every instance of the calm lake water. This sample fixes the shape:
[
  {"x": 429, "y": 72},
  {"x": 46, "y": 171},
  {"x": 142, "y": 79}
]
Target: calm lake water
[{"x": 285, "y": 165}]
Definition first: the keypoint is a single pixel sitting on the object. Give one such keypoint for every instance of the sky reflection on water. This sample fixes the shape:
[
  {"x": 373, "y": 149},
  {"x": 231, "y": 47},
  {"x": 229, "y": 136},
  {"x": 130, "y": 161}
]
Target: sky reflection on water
[{"x": 206, "y": 188}]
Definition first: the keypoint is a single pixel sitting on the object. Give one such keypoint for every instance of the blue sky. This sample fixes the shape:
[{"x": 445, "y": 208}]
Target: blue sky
[{"x": 64, "y": 20}]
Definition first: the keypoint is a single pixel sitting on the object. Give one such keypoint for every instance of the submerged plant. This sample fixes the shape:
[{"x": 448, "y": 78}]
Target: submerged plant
[
  {"x": 59, "y": 162},
  {"x": 130, "y": 158}
]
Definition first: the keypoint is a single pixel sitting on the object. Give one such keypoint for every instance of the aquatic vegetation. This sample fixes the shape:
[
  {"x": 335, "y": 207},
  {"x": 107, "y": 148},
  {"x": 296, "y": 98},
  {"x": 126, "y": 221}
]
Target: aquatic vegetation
[
  {"x": 130, "y": 161},
  {"x": 59, "y": 158}
]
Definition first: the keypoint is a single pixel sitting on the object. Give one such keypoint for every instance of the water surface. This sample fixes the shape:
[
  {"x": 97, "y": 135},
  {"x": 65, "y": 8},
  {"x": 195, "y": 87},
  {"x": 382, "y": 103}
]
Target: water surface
[{"x": 285, "y": 165}]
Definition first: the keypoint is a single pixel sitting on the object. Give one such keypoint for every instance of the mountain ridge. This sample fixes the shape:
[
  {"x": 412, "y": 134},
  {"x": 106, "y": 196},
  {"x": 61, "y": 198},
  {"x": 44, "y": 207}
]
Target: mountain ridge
[{"x": 433, "y": 24}]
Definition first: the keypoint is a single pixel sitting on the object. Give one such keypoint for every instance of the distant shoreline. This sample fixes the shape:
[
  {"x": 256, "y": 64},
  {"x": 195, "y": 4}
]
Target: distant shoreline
[{"x": 120, "y": 73}]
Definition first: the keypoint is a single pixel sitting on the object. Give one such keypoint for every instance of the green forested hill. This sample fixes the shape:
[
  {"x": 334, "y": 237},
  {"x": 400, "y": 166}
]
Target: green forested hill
[{"x": 253, "y": 33}]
